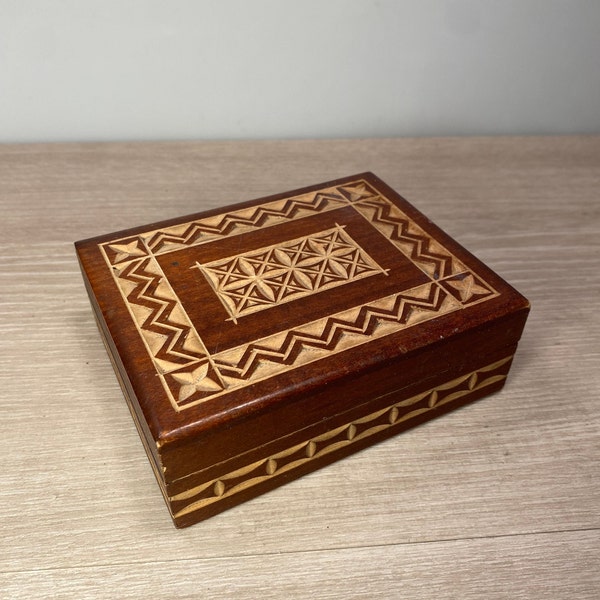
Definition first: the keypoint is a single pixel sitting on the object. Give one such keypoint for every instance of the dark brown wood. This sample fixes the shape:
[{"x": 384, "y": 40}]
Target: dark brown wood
[{"x": 261, "y": 341}]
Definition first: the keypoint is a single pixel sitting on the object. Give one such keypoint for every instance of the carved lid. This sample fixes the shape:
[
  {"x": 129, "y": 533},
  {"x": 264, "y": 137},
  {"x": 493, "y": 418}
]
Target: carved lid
[{"x": 224, "y": 312}]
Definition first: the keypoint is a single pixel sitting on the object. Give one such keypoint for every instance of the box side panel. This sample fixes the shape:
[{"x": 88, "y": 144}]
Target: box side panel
[
  {"x": 460, "y": 370},
  {"x": 443, "y": 360},
  {"x": 209, "y": 493}
]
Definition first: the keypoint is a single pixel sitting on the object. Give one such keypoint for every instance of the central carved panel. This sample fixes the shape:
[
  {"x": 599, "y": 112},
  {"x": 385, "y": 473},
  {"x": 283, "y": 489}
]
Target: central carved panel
[{"x": 257, "y": 280}]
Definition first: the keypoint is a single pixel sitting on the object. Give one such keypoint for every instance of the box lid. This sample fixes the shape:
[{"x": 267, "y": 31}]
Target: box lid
[{"x": 214, "y": 318}]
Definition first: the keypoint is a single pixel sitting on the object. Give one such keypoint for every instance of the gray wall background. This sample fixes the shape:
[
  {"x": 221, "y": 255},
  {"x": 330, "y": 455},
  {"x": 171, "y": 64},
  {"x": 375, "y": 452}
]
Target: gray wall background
[{"x": 231, "y": 69}]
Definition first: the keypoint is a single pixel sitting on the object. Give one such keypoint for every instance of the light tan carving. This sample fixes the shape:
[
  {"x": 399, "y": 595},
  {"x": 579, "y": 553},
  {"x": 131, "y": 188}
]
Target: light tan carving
[
  {"x": 127, "y": 250},
  {"x": 340, "y": 437},
  {"x": 164, "y": 326},
  {"x": 425, "y": 252},
  {"x": 174, "y": 344},
  {"x": 257, "y": 280},
  {"x": 467, "y": 287},
  {"x": 243, "y": 220},
  {"x": 323, "y": 337},
  {"x": 195, "y": 381}
]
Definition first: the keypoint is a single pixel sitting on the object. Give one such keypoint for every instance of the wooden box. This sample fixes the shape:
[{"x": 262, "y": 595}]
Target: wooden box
[{"x": 261, "y": 341}]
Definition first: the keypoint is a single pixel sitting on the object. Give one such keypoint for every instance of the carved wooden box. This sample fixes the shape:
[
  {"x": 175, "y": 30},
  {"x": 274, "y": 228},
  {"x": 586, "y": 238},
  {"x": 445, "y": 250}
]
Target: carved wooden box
[{"x": 258, "y": 342}]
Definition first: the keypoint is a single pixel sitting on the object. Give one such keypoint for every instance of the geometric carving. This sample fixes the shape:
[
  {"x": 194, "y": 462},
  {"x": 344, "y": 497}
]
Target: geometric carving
[
  {"x": 323, "y": 337},
  {"x": 271, "y": 276},
  {"x": 466, "y": 287},
  {"x": 357, "y": 191},
  {"x": 195, "y": 381},
  {"x": 423, "y": 250},
  {"x": 350, "y": 433},
  {"x": 127, "y": 250},
  {"x": 293, "y": 269},
  {"x": 164, "y": 326},
  {"x": 242, "y": 220}
]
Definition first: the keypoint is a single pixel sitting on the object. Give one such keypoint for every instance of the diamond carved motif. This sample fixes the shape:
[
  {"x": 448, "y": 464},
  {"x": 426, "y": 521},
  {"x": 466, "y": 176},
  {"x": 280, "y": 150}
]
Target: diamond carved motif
[{"x": 267, "y": 277}]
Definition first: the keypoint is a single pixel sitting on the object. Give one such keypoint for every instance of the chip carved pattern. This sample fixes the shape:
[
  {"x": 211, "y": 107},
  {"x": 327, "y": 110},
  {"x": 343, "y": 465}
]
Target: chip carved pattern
[
  {"x": 165, "y": 328},
  {"x": 344, "y": 436},
  {"x": 427, "y": 254},
  {"x": 191, "y": 375},
  {"x": 257, "y": 280},
  {"x": 242, "y": 220}
]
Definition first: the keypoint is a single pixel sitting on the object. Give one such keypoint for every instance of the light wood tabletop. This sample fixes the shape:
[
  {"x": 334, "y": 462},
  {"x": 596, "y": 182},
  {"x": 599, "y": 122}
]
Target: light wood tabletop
[{"x": 500, "y": 499}]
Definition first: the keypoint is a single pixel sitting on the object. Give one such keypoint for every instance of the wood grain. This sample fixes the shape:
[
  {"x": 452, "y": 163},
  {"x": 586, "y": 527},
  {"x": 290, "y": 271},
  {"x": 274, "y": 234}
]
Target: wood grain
[{"x": 499, "y": 499}]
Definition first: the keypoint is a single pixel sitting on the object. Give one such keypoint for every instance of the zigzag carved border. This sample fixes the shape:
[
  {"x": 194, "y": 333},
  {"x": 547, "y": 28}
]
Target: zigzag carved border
[
  {"x": 430, "y": 256},
  {"x": 190, "y": 375},
  {"x": 165, "y": 328},
  {"x": 337, "y": 332},
  {"x": 241, "y": 221}
]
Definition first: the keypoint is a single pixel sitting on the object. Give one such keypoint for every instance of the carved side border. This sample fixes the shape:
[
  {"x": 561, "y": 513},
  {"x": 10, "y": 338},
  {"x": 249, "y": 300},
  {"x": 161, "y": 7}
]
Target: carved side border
[{"x": 345, "y": 436}]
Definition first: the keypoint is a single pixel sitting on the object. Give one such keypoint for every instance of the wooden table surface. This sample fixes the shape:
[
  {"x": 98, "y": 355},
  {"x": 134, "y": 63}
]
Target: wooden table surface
[{"x": 500, "y": 499}]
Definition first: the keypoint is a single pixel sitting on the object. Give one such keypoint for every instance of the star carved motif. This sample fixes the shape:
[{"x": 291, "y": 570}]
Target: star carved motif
[
  {"x": 357, "y": 192},
  {"x": 467, "y": 287},
  {"x": 195, "y": 381},
  {"x": 126, "y": 250}
]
